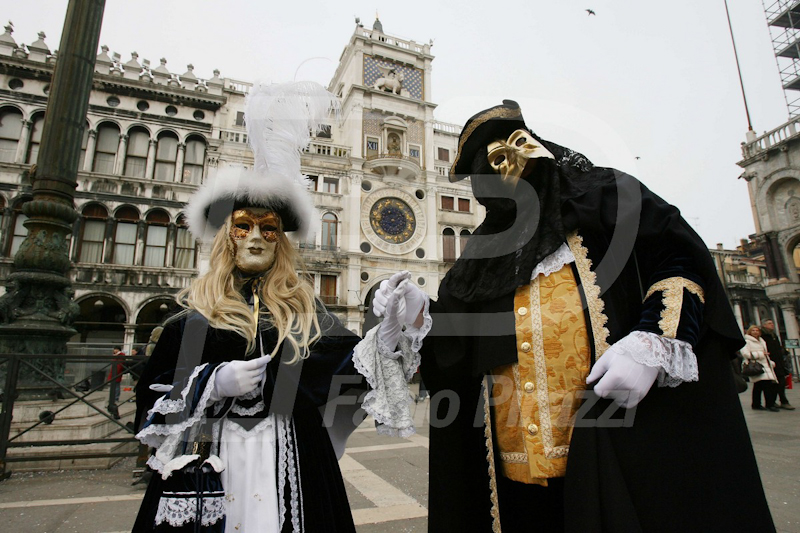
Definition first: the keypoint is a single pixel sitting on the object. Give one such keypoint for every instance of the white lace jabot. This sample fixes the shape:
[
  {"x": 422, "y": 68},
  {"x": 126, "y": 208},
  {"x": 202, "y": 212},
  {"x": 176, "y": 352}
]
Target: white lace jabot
[{"x": 554, "y": 262}]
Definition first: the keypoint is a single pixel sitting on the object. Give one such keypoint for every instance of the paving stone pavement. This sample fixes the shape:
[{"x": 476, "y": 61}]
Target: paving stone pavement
[{"x": 386, "y": 480}]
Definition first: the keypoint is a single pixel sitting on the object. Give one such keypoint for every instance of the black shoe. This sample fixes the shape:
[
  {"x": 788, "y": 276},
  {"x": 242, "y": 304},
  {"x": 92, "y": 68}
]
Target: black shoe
[
  {"x": 787, "y": 406},
  {"x": 773, "y": 409},
  {"x": 759, "y": 408}
]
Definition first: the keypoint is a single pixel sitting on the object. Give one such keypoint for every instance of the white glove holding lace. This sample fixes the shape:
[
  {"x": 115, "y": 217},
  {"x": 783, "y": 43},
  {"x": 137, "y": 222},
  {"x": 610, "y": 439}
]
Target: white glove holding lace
[
  {"x": 239, "y": 377},
  {"x": 414, "y": 298},
  {"x": 621, "y": 378}
]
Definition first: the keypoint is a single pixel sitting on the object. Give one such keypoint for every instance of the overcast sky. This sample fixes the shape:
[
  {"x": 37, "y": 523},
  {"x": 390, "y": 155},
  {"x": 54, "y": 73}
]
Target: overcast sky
[{"x": 653, "y": 80}]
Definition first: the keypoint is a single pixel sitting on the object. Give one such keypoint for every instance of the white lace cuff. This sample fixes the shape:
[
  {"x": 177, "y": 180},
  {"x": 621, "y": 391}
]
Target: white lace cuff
[
  {"x": 554, "y": 262},
  {"x": 417, "y": 335},
  {"x": 387, "y": 373},
  {"x": 675, "y": 359},
  {"x": 167, "y": 438}
]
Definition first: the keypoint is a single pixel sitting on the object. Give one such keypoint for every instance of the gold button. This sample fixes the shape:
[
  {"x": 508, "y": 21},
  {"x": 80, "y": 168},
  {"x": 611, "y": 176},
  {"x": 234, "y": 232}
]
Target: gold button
[
  {"x": 529, "y": 387},
  {"x": 526, "y": 347},
  {"x": 533, "y": 429},
  {"x": 522, "y": 311}
]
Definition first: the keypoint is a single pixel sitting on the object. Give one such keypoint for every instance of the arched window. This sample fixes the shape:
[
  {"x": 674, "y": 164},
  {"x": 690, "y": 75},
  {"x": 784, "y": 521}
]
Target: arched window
[
  {"x": 35, "y": 139},
  {"x": 125, "y": 235},
  {"x": 10, "y": 130},
  {"x": 136, "y": 155},
  {"x": 329, "y": 224},
  {"x": 93, "y": 234},
  {"x": 464, "y": 237},
  {"x": 185, "y": 249},
  {"x": 449, "y": 245},
  {"x": 155, "y": 242},
  {"x": 105, "y": 152},
  {"x": 166, "y": 154},
  {"x": 193, "y": 160},
  {"x": 19, "y": 231}
]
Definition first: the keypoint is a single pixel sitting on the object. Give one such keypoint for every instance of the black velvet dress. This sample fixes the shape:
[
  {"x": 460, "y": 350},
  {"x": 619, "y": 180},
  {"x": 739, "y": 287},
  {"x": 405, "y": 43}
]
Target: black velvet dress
[{"x": 296, "y": 390}]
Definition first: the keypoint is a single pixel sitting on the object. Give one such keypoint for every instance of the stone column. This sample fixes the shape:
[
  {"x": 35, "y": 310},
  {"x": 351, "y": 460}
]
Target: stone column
[
  {"x": 774, "y": 310},
  {"x": 91, "y": 145},
  {"x": 77, "y": 228},
  {"x": 5, "y": 229},
  {"x": 108, "y": 255},
  {"x": 128, "y": 338},
  {"x": 790, "y": 319},
  {"x": 151, "y": 159},
  {"x": 37, "y": 311},
  {"x": 24, "y": 139},
  {"x": 170, "y": 251},
  {"x": 737, "y": 312},
  {"x": 122, "y": 148},
  {"x": 141, "y": 234},
  {"x": 179, "y": 163}
]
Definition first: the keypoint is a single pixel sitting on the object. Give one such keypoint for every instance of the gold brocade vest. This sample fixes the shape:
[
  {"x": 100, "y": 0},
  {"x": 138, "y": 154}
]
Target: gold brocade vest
[{"x": 535, "y": 400}]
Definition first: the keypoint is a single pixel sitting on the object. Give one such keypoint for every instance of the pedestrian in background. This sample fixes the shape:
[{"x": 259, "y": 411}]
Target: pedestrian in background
[
  {"x": 778, "y": 355},
  {"x": 755, "y": 349},
  {"x": 115, "y": 379}
]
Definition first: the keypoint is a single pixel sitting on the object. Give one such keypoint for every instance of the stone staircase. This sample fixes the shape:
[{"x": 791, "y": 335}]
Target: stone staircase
[{"x": 78, "y": 421}]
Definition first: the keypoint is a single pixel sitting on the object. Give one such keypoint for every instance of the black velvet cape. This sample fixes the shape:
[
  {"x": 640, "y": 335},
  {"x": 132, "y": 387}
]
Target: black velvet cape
[
  {"x": 189, "y": 341},
  {"x": 686, "y": 462}
]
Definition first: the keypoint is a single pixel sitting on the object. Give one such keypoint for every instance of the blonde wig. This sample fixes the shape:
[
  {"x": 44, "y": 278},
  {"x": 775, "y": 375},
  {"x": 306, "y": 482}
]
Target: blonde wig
[{"x": 287, "y": 295}]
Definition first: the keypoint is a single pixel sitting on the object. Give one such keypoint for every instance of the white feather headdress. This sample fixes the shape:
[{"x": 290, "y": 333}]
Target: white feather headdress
[{"x": 280, "y": 118}]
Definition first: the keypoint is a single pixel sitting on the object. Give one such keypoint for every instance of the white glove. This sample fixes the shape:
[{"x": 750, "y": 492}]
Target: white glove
[
  {"x": 413, "y": 298},
  {"x": 239, "y": 377},
  {"x": 392, "y": 327},
  {"x": 621, "y": 378}
]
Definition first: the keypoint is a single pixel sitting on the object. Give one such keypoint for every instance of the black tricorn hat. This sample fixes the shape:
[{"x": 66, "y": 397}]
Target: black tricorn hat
[{"x": 497, "y": 122}]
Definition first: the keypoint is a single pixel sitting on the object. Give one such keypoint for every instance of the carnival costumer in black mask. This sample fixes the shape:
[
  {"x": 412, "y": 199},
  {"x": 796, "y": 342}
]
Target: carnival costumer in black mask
[{"x": 581, "y": 346}]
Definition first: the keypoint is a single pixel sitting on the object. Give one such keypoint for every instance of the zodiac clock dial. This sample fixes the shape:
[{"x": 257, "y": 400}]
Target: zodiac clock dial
[{"x": 392, "y": 220}]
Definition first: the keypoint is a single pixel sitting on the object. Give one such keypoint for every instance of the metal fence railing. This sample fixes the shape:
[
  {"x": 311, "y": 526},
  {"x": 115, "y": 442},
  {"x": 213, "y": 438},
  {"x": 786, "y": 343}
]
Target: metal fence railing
[{"x": 74, "y": 395}]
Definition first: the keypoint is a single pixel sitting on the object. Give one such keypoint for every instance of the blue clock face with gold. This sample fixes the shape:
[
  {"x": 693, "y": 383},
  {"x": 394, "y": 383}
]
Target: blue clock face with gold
[{"x": 392, "y": 220}]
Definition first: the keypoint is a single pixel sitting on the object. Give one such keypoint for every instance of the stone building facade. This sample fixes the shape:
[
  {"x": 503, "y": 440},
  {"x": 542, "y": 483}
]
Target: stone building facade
[
  {"x": 153, "y": 136},
  {"x": 771, "y": 166}
]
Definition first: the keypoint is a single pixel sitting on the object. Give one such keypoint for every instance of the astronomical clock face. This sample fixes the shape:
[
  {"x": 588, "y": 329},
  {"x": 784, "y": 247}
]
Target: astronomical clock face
[{"x": 392, "y": 220}]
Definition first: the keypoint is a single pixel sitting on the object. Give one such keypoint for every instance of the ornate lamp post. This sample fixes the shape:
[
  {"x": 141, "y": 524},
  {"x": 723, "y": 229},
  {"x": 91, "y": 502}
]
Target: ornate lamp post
[{"x": 37, "y": 312}]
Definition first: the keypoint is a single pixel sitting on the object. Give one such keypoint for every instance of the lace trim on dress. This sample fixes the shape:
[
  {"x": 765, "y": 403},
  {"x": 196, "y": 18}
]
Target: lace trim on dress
[
  {"x": 178, "y": 509},
  {"x": 675, "y": 359},
  {"x": 554, "y": 262},
  {"x": 244, "y": 433},
  {"x": 288, "y": 470},
  {"x": 165, "y": 406},
  {"x": 387, "y": 373},
  {"x": 249, "y": 411},
  {"x": 166, "y": 438}
]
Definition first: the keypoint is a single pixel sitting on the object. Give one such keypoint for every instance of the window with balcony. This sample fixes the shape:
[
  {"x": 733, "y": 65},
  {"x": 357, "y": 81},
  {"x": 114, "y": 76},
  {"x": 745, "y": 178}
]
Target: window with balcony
[
  {"x": 105, "y": 152},
  {"x": 239, "y": 119},
  {"x": 185, "y": 248},
  {"x": 127, "y": 219},
  {"x": 443, "y": 154},
  {"x": 330, "y": 185},
  {"x": 136, "y": 156},
  {"x": 449, "y": 245},
  {"x": 327, "y": 289},
  {"x": 155, "y": 242},
  {"x": 447, "y": 203},
  {"x": 193, "y": 160},
  {"x": 93, "y": 234},
  {"x": 463, "y": 205},
  {"x": 324, "y": 132},
  {"x": 166, "y": 155},
  {"x": 10, "y": 131},
  {"x": 35, "y": 139},
  {"x": 329, "y": 227}
]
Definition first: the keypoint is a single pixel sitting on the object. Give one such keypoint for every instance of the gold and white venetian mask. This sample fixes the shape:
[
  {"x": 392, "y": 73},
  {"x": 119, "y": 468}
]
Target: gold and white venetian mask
[
  {"x": 510, "y": 157},
  {"x": 254, "y": 232}
]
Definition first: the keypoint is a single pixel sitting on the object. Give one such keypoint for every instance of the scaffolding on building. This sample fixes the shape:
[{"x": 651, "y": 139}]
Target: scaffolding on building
[{"x": 783, "y": 19}]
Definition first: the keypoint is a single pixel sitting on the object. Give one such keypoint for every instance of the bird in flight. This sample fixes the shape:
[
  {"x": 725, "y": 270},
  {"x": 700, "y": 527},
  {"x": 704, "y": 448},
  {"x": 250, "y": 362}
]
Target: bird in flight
[{"x": 591, "y": 12}]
